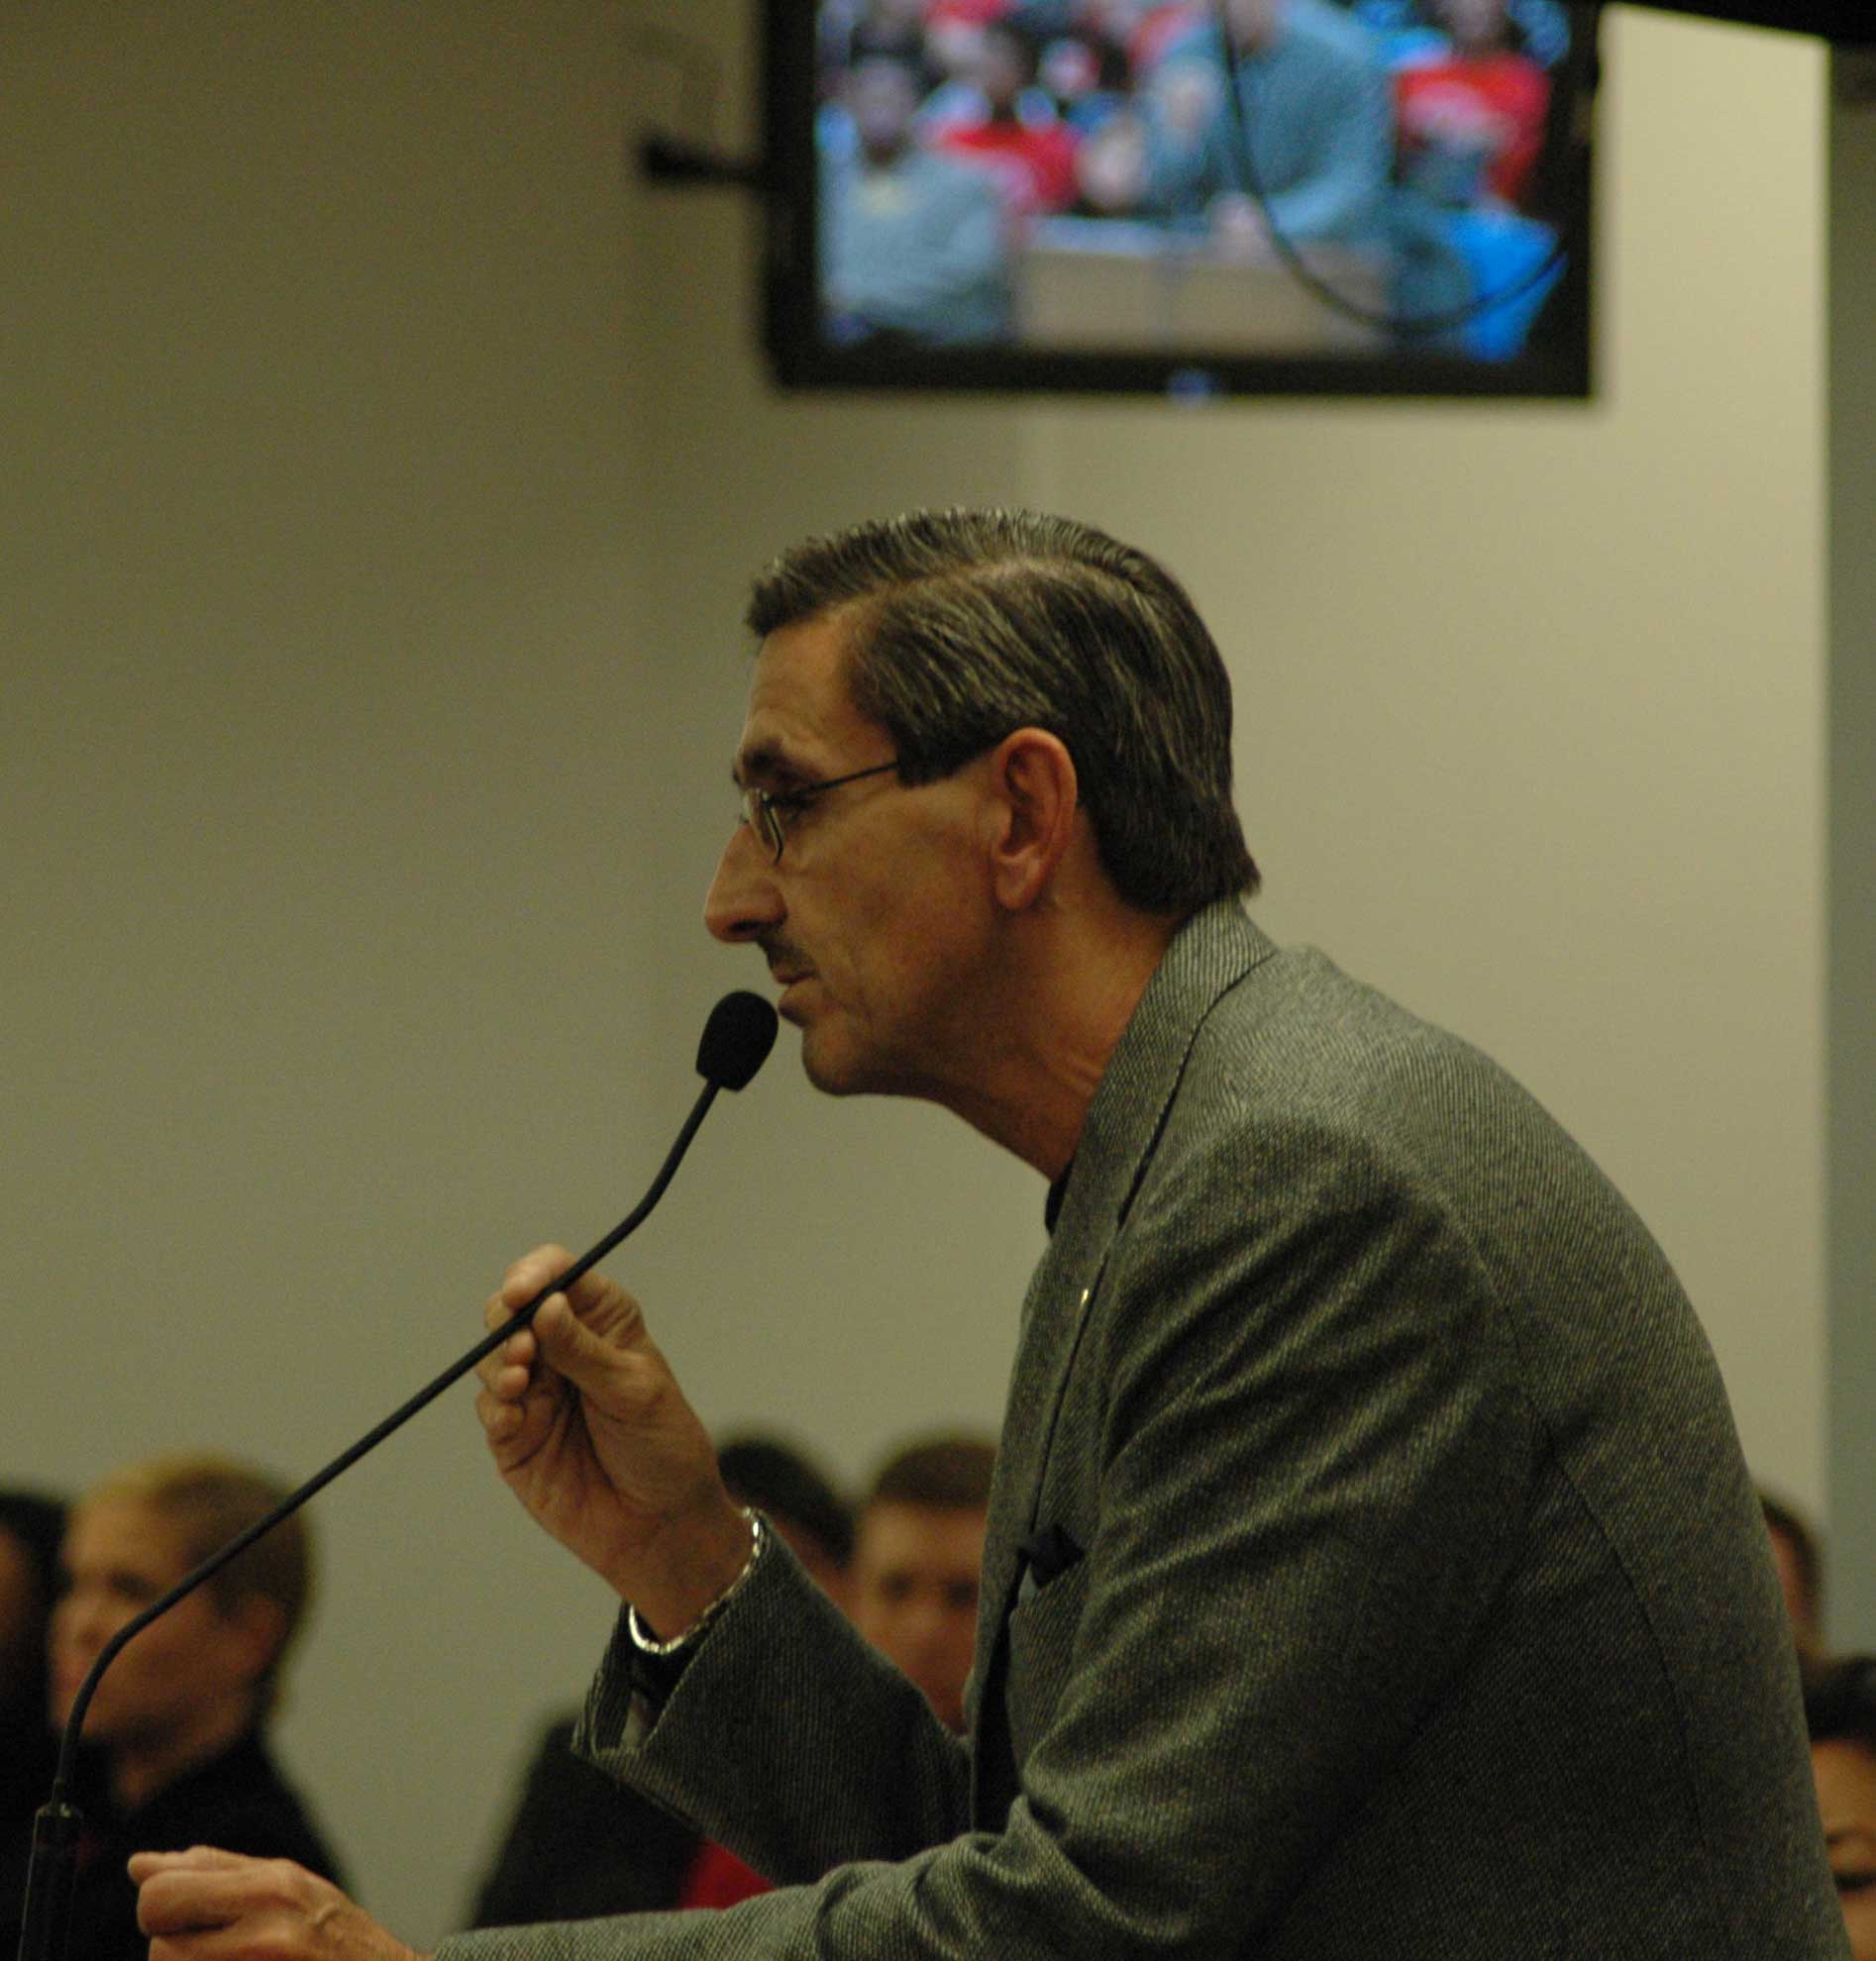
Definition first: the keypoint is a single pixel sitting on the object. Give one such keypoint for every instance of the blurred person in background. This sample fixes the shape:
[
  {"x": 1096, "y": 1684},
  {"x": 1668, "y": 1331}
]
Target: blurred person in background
[
  {"x": 175, "y": 1751},
  {"x": 895, "y": 29},
  {"x": 1840, "y": 1712},
  {"x": 1471, "y": 112},
  {"x": 1319, "y": 119},
  {"x": 1006, "y": 125},
  {"x": 917, "y": 248},
  {"x": 1110, "y": 169},
  {"x": 918, "y": 1552},
  {"x": 1800, "y": 1563},
  {"x": 31, "y": 1529}
]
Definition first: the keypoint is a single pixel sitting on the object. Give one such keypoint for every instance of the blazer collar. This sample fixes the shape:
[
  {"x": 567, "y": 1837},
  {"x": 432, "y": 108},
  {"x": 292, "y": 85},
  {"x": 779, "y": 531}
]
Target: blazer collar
[{"x": 1204, "y": 960}]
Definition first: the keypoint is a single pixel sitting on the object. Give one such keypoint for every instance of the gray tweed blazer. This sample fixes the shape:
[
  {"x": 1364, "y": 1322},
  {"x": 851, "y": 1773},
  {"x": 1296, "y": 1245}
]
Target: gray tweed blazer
[{"x": 1372, "y": 1568}]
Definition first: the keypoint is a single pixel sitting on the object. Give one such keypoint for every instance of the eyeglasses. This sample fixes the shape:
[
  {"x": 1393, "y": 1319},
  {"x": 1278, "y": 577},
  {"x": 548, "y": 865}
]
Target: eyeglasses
[{"x": 770, "y": 812}]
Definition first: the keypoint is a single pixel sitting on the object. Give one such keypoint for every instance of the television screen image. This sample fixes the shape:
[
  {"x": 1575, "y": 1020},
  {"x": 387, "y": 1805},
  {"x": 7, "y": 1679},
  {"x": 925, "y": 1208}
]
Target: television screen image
[{"x": 1192, "y": 197}]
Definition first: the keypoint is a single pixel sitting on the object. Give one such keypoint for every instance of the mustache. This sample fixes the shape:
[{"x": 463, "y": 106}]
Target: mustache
[{"x": 784, "y": 956}]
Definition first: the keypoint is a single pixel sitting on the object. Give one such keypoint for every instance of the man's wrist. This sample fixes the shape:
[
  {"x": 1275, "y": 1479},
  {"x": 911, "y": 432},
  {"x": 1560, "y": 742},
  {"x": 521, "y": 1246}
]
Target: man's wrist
[{"x": 674, "y": 1631}]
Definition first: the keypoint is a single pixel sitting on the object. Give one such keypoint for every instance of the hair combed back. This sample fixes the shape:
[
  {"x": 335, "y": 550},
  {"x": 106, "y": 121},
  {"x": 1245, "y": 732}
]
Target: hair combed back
[
  {"x": 968, "y": 624},
  {"x": 210, "y": 1501}
]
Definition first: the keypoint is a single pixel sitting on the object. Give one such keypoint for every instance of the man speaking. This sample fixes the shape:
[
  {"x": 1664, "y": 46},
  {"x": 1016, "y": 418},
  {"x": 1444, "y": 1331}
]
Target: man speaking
[{"x": 1371, "y": 1568}]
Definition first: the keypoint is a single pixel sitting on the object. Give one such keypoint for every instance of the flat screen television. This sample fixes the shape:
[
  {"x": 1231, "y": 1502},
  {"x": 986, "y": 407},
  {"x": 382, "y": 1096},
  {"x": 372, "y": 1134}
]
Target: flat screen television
[{"x": 1181, "y": 197}]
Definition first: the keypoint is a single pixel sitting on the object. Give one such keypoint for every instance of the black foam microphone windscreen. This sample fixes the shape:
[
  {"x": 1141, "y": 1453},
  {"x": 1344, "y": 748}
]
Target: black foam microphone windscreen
[{"x": 736, "y": 1040}]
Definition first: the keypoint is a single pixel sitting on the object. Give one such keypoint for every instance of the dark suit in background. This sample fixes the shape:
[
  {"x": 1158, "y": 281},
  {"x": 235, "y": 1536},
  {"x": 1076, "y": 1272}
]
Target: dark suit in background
[
  {"x": 1392, "y": 1585},
  {"x": 580, "y": 1845}
]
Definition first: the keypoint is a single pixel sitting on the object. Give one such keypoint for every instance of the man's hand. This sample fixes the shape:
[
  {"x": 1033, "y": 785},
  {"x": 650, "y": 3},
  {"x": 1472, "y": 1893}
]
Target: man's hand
[
  {"x": 588, "y": 1426},
  {"x": 209, "y": 1905}
]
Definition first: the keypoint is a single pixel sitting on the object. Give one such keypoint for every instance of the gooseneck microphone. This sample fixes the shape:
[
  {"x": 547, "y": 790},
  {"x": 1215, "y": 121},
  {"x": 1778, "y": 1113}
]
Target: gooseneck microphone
[{"x": 736, "y": 1042}]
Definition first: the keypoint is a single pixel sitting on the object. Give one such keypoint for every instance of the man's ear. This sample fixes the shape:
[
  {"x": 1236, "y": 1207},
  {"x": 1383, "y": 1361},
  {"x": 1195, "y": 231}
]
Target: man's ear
[{"x": 1035, "y": 796}]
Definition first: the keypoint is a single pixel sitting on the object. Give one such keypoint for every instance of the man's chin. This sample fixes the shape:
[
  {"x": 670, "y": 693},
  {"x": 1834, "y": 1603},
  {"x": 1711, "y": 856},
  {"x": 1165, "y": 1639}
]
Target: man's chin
[
  {"x": 838, "y": 1067},
  {"x": 825, "y": 1067}
]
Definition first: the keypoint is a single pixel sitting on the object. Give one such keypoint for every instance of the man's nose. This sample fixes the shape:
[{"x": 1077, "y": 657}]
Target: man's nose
[{"x": 744, "y": 900}]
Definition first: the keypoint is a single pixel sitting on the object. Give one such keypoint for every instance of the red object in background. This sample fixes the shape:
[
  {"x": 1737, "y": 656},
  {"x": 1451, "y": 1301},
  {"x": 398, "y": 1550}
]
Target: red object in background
[
  {"x": 967, "y": 13},
  {"x": 717, "y": 1878},
  {"x": 1034, "y": 166},
  {"x": 1497, "y": 102}
]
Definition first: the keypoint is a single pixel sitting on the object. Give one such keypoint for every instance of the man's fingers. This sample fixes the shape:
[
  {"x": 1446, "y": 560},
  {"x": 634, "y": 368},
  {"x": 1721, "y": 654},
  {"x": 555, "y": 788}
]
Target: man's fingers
[
  {"x": 569, "y": 1345},
  {"x": 522, "y": 1282},
  {"x": 198, "y": 1858},
  {"x": 506, "y": 1369},
  {"x": 531, "y": 1273},
  {"x": 203, "y": 1888},
  {"x": 208, "y": 1905},
  {"x": 501, "y": 1422}
]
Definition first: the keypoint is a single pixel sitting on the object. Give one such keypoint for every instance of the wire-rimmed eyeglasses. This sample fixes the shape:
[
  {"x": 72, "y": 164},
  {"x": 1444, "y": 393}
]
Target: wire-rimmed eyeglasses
[{"x": 769, "y": 813}]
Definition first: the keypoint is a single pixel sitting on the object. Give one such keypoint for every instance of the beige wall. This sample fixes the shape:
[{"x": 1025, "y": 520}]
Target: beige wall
[{"x": 384, "y": 472}]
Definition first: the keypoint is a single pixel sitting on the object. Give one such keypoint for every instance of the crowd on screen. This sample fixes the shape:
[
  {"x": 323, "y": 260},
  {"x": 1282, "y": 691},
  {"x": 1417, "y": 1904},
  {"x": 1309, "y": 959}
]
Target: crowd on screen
[{"x": 947, "y": 129}]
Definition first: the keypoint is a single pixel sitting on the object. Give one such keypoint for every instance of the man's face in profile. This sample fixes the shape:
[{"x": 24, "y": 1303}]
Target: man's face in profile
[
  {"x": 915, "y": 1578},
  {"x": 873, "y": 920}
]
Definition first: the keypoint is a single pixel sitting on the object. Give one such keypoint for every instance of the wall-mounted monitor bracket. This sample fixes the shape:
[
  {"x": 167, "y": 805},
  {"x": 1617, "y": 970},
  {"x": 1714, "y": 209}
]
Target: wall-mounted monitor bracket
[{"x": 666, "y": 161}]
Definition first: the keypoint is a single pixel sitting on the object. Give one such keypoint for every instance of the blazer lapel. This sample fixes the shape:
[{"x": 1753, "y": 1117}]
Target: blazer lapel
[{"x": 1211, "y": 954}]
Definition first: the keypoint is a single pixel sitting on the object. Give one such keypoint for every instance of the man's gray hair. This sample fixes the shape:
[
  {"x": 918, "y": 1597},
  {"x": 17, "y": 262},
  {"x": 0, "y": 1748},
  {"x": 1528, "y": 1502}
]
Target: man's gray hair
[{"x": 968, "y": 624}]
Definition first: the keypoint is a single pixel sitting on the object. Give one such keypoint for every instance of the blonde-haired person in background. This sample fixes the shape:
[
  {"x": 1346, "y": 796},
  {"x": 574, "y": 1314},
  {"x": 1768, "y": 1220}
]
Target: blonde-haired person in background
[{"x": 174, "y": 1754}]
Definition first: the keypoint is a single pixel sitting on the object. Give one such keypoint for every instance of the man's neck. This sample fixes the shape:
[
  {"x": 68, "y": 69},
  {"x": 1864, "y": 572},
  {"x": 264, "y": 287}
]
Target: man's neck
[{"x": 1056, "y": 1026}]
